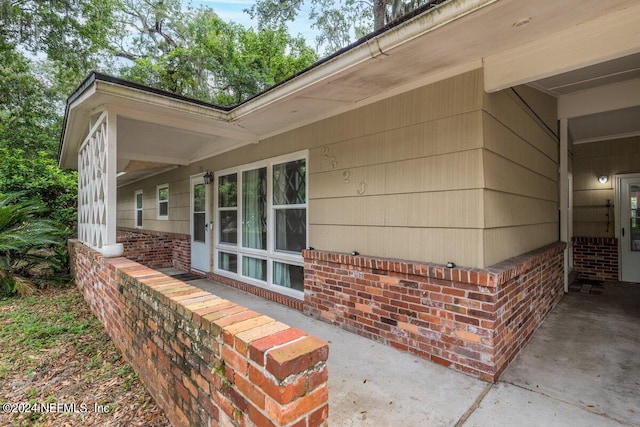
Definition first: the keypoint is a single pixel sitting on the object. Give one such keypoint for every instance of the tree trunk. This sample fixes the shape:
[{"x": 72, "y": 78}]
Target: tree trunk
[{"x": 379, "y": 9}]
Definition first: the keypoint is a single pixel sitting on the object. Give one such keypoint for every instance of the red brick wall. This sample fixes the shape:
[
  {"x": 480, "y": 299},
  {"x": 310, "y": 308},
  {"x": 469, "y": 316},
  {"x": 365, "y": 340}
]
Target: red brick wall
[
  {"x": 596, "y": 257},
  {"x": 181, "y": 252},
  {"x": 205, "y": 360},
  {"x": 156, "y": 249},
  {"x": 473, "y": 320}
]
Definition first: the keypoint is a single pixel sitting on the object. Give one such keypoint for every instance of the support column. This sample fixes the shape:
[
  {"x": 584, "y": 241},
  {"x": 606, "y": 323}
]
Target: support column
[
  {"x": 110, "y": 247},
  {"x": 564, "y": 195}
]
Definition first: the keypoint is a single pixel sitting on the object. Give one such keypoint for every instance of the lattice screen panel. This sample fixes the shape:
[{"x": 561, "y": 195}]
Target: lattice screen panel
[{"x": 92, "y": 185}]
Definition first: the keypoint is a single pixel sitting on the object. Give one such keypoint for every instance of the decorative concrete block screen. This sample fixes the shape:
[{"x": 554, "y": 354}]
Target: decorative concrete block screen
[
  {"x": 596, "y": 258},
  {"x": 205, "y": 360},
  {"x": 473, "y": 320}
]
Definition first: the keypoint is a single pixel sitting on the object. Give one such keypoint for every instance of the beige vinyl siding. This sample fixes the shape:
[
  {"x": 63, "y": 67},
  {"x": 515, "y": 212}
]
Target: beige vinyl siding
[
  {"x": 179, "y": 203},
  {"x": 402, "y": 178},
  {"x": 520, "y": 171},
  {"x": 408, "y": 243},
  {"x": 124, "y": 209},
  {"x": 591, "y": 160}
]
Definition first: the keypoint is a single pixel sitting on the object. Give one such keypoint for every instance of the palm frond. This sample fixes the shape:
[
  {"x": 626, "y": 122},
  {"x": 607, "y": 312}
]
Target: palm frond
[{"x": 28, "y": 243}]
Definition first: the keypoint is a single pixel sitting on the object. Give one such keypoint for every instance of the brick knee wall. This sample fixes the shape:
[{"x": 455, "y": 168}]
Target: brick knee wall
[
  {"x": 156, "y": 249},
  {"x": 205, "y": 360},
  {"x": 596, "y": 257},
  {"x": 181, "y": 252},
  {"x": 472, "y": 320}
]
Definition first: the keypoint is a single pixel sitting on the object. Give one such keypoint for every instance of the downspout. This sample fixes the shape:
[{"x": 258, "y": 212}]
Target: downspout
[{"x": 564, "y": 196}]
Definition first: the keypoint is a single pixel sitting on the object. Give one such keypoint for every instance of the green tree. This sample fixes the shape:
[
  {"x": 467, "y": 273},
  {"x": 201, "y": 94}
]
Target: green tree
[
  {"x": 73, "y": 34},
  {"x": 29, "y": 127},
  {"x": 28, "y": 116},
  {"x": 339, "y": 22},
  {"x": 195, "y": 53}
]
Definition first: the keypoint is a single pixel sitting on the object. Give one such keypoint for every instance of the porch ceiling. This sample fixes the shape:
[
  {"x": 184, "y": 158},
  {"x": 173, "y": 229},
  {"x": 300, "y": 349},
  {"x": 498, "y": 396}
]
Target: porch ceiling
[
  {"x": 602, "y": 101},
  {"x": 457, "y": 36}
]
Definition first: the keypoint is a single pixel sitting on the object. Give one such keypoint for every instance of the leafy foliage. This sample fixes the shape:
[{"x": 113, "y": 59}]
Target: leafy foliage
[
  {"x": 27, "y": 241},
  {"x": 29, "y": 127},
  {"x": 195, "y": 53},
  {"x": 339, "y": 22},
  {"x": 69, "y": 33}
]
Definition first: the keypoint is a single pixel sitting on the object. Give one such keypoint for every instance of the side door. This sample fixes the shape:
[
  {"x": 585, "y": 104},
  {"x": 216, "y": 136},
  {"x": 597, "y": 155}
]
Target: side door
[
  {"x": 630, "y": 230},
  {"x": 200, "y": 236}
]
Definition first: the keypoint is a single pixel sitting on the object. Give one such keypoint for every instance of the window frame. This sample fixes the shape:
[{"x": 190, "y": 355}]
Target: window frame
[
  {"x": 136, "y": 209},
  {"x": 158, "y": 201},
  {"x": 270, "y": 253}
]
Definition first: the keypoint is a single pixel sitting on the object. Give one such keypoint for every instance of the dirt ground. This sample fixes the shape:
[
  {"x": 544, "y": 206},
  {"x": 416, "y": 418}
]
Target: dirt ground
[{"x": 59, "y": 368}]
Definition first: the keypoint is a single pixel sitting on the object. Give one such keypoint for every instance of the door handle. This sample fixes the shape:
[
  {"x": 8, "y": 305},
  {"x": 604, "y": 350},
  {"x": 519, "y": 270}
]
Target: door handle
[{"x": 622, "y": 231}]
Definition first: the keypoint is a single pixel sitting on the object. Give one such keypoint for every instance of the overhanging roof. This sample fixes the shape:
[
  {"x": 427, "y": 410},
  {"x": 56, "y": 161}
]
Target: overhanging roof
[{"x": 454, "y": 37}]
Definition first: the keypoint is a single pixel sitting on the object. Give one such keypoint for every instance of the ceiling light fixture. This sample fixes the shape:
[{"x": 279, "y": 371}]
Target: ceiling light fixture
[{"x": 603, "y": 179}]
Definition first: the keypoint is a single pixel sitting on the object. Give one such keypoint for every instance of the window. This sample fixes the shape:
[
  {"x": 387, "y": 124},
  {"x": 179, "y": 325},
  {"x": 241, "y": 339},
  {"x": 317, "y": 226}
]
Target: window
[
  {"x": 163, "y": 201},
  {"x": 289, "y": 204},
  {"x": 269, "y": 199},
  {"x": 138, "y": 209},
  {"x": 228, "y": 209}
]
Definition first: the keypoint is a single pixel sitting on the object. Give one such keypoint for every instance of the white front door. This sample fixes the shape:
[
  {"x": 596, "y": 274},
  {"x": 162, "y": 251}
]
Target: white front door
[
  {"x": 629, "y": 230},
  {"x": 200, "y": 259}
]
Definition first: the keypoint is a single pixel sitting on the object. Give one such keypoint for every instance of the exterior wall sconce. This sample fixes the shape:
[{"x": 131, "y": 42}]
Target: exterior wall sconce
[
  {"x": 208, "y": 178},
  {"x": 603, "y": 179}
]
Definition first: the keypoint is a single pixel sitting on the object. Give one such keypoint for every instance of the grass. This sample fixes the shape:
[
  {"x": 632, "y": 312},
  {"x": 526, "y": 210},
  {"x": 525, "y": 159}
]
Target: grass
[{"x": 55, "y": 351}]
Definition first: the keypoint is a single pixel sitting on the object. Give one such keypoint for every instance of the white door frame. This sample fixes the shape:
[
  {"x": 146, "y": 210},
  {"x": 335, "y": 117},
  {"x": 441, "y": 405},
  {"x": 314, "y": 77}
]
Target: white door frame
[
  {"x": 618, "y": 212},
  {"x": 199, "y": 179}
]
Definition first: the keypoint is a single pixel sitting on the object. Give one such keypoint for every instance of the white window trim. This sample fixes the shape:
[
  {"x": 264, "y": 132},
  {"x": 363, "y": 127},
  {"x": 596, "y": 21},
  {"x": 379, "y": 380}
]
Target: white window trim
[
  {"x": 270, "y": 254},
  {"x": 158, "y": 188},
  {"x": 136, "y": 209}
]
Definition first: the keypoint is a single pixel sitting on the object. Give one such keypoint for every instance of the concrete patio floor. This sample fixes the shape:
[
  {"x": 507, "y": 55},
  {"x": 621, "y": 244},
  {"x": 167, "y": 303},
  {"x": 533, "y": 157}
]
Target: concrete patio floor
[{"x": 582, "y": 368}]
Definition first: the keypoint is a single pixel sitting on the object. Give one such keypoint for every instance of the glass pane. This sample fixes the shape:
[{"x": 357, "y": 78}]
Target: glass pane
[
  {"x": 199, "y": 198},
  {"x": 139, "y": 218},
  {"x": 229, "y": 227},
  {"x": 291, "y": 229},
  {"x": 228, "y": 262},
  {"x": 198, "y": 227},
  {"x": 228, "y": 191},
  {"x": 254, "y": 211},
  {"x": 139, "y": 201},
  {"x": 634, "y": 194},
  {"x": 254, "y": 267},
  {"x": 289, "y": 183},
  {"x": 163, "y": 193},
  {"x": 289, "y": 276},
  {"x": 164, "y": 208}
]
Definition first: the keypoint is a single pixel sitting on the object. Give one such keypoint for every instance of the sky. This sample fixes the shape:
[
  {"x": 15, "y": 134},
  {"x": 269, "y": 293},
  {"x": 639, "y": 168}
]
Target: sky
[{"x": 232, "y": 10}]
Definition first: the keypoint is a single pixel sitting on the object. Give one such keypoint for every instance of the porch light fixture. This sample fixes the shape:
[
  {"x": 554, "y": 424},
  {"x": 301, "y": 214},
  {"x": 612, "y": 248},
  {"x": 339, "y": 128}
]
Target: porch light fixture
[
  {"x": 603, "y": 179},
  {"x": 208, "y": 178}
]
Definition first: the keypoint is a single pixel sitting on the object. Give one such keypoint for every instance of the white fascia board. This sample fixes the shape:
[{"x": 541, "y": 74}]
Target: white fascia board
[
  {"x": 159, "y": 100},
  {"x": 605, "y": 98}
]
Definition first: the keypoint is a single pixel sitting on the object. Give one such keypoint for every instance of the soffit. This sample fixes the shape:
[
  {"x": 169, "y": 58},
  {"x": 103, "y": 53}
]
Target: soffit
[
  {"x": 597, "y": 93},
  {"x": 463, "y": 40}
]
